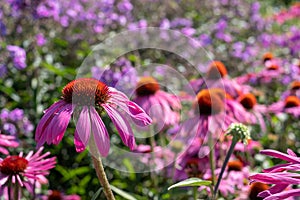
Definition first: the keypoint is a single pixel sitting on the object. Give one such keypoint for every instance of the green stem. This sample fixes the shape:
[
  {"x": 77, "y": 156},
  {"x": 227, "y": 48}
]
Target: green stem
[
  {"x": 195, "y": 193},
  {"x": 211, "y": 157},
  {"x": 16, "y": 191},
  {"x": 102, "y": 178},
  {"x": 233, "y": 143},
  {"x": 9, "y": 190}
]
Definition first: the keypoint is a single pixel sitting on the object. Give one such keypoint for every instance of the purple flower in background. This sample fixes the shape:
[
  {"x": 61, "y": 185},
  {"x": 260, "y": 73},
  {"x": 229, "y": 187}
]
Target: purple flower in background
[
  {"x": 2, "y": 28},
  {"x": 3, "y": 70},
  {"x": 7, "y": 141},
  {"x": 14, "y": 121},
  {"x": 40, "y": 39},
  {"x": 125, "y": 6},
  {"x": 205, "y": 40},
  {"x": 87, "y": 97},
  {"x": 18, "y": 56},
  {"x": 48, "y": 9},
  {"x": 121, "y": 75},
  {"x": 281, "y": 175}
]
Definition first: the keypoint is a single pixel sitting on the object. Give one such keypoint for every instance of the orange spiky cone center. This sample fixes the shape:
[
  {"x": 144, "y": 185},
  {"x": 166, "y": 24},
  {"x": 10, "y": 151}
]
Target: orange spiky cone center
[
  {"x": 292, "y": 101},
  {"x": 86, "y": 91},
  {"x": 255, "y": 189},
  {"x": 210, "y": 101},
  {"x": 248, "y": 101},
  {"x": 147, "y": 86},
  {"x": 216, "y": 70},
  {"x": 13, "y": 165}
]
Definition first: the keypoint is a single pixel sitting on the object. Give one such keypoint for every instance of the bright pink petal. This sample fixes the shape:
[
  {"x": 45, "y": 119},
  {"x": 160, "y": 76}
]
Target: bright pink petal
[
  {"x": 282, "y": 156},
  {"x": 44, "y": 122},
  {"x": 135, "y": 111},
  {"x": 58, "y": 125},
  {"x": 278, "y": 178},
  {"x": 284, "y": 194},
  {"x": 122, "y": 126},
  {"x": 83, "y": 129},
  {"x": 100, "y": 133},
  {"x": 273, "y": 190}
]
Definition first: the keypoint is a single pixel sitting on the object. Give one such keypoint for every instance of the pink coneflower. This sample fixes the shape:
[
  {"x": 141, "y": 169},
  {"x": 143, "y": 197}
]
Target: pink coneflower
[
  {"x": 217, "y": 77},
  {"x": 254, "y": 110},
  {"x": 267, "y": 56},
  {"x": 25, "y": 171},
  {"x": 272, "y": 71},
  {"x": 7, "y": 141},
  {"x": 56, "y": 195},
  {"x": 290, "y": 105},
  {"x": 281, "y": 175},
  {"x": 216, "y": 111},
  {"x": 162, "y": 107},
  {"x": 294, "y": 90},
  {"x": 234, "y": 178},
  {"x": 87, "y": 98}
]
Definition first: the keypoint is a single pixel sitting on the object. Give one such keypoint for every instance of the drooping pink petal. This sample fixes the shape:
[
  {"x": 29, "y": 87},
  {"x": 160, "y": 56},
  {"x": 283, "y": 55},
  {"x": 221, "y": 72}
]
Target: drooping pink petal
[
  {"x": 284, "y": 195},
  {"x": 291, "y": 153},
  {"x": 58, "y": 125},
  {"x": 44, "y": 122},
  {"x": 100, "y": 133},
  {"x": 280, "y": 155},
  {"x": 135, "y": 111},
  {"x": 122, "y": 126},
  {"x": 83, "y": 130},
  {"x": 282, "y": 167},
  {"x": 278, "y": 178},
  {"x": 273, "y": 190}
]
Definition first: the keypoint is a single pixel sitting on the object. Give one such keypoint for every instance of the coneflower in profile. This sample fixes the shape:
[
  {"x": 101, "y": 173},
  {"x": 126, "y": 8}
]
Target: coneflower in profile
[{"x": 86, "y": 98}]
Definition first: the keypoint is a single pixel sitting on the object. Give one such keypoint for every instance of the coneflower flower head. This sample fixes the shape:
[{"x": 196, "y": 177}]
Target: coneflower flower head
[
  {"x": 87, "y": 98},
  {"x": 239, "y": 131}
]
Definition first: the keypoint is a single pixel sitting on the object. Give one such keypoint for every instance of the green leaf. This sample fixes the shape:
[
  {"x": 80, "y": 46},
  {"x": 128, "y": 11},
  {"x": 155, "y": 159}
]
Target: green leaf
[
  {"x": 97, "y": 194},
  {"x": 122, "y": 193},
  {"x": 191, "y": 182},
  {"x": 130, "y": 168}
]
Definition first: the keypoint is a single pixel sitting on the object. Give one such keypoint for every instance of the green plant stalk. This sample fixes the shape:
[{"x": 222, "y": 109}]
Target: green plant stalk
[
  {"x": 195, "y": 193},
  {"x": 211, "y": 157},
  {"x": 102, "y": 178},
  {"x": 16, "y": 191},
  {"x": 233, "y": 143}
]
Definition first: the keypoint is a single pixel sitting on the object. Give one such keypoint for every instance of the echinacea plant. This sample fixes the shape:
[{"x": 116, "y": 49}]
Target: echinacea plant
[
  {"x": 86, "y": 98},
  {"x": 281, "y": 175},
  {"x": 18, "y": 171},
  {"x": 238, "y": 132}
]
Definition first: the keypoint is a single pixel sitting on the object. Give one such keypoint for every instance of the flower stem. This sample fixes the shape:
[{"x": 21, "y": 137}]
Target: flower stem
[
  {"x": 195, "y": 193},
  {"x": 233, "y": 143},
  {"x": 16, "y": 191},
  {"x": 102, "y": 178},
  {"x": 211, "y": 157}
]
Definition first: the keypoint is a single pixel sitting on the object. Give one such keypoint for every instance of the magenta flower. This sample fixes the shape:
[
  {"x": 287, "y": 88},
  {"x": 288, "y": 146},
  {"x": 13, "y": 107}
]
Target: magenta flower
[
  {"x": 7, "y": 141},
  {"x": 215, "y": 112},
  {"x": 217, "y": 77},
  {"x": 161, "y": 106},
  {"x": 294, "y": 90},
  {"x": 54, "y": 194},
  {"x": 254, "y": 110},
  {"x": 25, "y": 171},
  {"x": 281, "y": 175},
  {"x": 291, "y": 105},
  {"x": 86, "y": 98}
]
